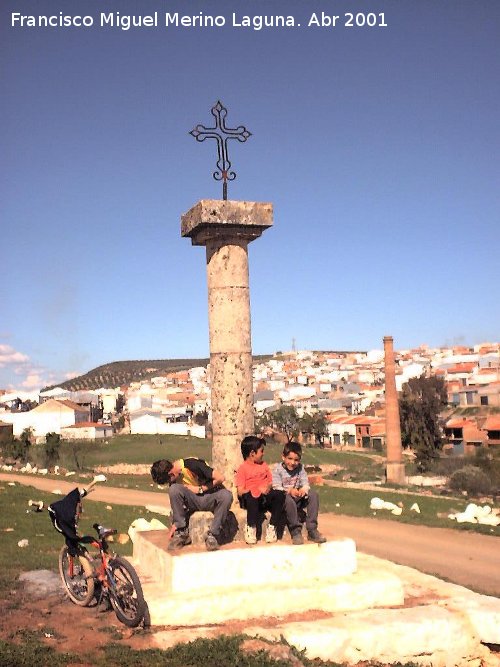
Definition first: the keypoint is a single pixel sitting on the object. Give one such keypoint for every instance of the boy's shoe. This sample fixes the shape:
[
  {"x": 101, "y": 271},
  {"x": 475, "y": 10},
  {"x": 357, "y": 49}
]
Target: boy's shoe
[
  {"x": 211, "y": 542},
  {"x": 297, "y": 537},
  {"x": 315, "y": 536},
  {"x": 250, "y": 534},
  {"x": 179, "y": 539},
  {"x": 271, "y": 533}
]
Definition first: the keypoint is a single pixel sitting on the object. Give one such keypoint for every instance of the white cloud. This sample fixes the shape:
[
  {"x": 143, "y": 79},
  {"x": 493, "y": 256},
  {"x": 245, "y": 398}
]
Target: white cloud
[
  {"x": 9, "y": 356},
  {"x": 33, "y": 381}
]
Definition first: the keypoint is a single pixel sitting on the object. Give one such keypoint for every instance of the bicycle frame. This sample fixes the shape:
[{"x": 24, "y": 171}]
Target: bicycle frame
[{"x": 101, "y": 571}]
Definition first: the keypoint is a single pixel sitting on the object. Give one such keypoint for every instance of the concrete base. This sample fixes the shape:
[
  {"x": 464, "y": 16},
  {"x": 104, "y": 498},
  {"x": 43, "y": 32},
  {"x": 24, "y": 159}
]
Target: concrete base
[
  {"x": 441, "y": 625},
  {"x": 235, "y": 565},
  {"x": 326, "y": 599},
  {"x": 196, "y": 608},
  {"x": 248, "y": 582},
  {"x": 427, "y": 636}
]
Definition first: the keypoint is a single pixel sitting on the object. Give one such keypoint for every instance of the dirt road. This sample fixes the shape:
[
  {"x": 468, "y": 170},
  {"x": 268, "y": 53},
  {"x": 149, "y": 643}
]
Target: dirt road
[{"x": 469, "y": 559}]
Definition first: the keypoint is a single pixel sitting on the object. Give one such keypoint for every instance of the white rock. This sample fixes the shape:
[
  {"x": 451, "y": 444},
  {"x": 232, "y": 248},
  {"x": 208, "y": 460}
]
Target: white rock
[
  {"x": 379, "y": 504},
  {"x": 23, "y": 543},
  {"x": 477, "y": 514},
  {"x": 141, "y": 524}
]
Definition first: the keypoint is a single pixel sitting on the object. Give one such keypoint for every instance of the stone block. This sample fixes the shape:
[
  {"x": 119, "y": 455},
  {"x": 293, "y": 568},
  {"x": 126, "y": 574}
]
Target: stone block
[
  {"x": 252, "y": 600},
  {"x": 426, "y": 635},
  {"x": 228, "y": 568},
  {"x": 199, "y": 525},
  {"x": 483, "y": 612},
  {"x": 216, "y": 218}
]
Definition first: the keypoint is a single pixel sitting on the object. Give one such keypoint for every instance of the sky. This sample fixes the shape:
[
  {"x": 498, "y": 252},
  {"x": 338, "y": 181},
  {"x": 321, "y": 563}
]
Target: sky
[{"x": 377, "y": 145}]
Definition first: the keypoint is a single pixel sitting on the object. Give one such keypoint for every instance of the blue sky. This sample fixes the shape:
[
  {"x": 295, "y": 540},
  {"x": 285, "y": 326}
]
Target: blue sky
[{"x": 377, "y": 146}]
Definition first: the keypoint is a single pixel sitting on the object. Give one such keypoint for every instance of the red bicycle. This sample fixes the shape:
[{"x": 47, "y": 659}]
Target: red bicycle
[{"x": 100, "y": 574}]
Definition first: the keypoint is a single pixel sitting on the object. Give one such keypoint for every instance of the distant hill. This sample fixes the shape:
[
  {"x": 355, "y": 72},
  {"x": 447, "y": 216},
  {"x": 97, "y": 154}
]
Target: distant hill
[{"x": 120, "y": 373}]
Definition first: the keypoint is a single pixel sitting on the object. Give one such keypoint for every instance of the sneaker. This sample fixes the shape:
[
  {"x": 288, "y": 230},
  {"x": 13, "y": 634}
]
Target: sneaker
[
  {"x": 271, "y": 533},
  {"x": 250, "y": 534},
  {"x": 179, "y": 539},
  {"x": 315, "y": 536},
  {"x": 297, "y": 537},
  {"x": 211, "y": 542}
]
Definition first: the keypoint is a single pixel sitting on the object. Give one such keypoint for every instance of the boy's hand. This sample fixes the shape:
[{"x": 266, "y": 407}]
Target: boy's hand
[{"x": 265, "y": 489}]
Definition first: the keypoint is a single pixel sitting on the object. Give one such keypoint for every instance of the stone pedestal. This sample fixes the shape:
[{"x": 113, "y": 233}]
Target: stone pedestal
[
  {"x": 395, "y": 471},
  {"x": 226, "y": 228}
]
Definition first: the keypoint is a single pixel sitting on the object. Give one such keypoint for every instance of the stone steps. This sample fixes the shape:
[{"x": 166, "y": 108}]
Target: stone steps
[
  {"x": 193, "y": 587},
  {"x": 326, "y": 599},
  {"x": 352, "y": 592}
]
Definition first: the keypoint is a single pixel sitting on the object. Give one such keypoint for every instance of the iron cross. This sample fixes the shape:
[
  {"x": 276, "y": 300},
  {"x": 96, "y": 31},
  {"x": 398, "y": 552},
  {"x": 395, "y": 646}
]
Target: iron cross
[{"x": 221, "y": 133}]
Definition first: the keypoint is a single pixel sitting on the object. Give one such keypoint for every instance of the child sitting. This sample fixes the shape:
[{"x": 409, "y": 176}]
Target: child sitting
[
  {"x": 290, "y": 476},
  {"x": 255, "y": 492}
]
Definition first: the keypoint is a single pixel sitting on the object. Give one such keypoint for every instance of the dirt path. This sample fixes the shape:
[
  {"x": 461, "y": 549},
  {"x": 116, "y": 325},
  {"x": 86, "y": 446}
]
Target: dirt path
[{"x": 469, "y": 559}]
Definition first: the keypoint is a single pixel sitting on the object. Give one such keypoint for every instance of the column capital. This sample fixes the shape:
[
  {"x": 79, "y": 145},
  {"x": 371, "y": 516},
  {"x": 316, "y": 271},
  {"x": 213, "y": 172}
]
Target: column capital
[{"x": 217, "y": 219}]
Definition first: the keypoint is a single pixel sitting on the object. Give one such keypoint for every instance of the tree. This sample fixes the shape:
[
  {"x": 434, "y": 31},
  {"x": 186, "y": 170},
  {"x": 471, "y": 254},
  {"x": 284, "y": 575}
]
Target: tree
[
  {"x": 52, "y": 443},
  {"x": 25, "y": 440},
  {"x": 316, "y": 425},
  {"x": 420, "y": 403},
  {"x": 201, "y": 418},
  {"x": 120, "y": 403},
  {"x": 286, "y": 420},
  {"x": 345, "y": 438}
]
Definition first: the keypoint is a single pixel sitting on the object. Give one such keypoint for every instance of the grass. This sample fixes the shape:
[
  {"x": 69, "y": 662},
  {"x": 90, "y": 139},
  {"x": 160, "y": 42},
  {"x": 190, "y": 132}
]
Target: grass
[
  {"x": 31, "y": 652},
  {"x": 224, "y": 651},
  {"x": 356, "y": 502},
  {"x": 144, "y": 449}
]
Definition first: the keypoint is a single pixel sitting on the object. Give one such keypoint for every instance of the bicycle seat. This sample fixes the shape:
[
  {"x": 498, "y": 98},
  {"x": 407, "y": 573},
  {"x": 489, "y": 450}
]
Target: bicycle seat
[{"x": 104, "y": 532}]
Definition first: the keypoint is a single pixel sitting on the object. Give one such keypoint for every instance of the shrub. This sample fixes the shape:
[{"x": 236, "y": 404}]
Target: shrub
[
  {"x": 51, "y": 450},
  {"x": 472, "y": 480}
]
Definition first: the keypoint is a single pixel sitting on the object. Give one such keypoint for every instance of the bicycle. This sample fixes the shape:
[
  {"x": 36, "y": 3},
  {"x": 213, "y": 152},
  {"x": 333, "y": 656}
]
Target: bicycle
[{"x": 103, "y": 574}]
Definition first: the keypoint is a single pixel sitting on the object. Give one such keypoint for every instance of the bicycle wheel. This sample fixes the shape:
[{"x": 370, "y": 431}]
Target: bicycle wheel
[
  {"x": 77, "y": 575},
  {"x": 125, "y": 592}
]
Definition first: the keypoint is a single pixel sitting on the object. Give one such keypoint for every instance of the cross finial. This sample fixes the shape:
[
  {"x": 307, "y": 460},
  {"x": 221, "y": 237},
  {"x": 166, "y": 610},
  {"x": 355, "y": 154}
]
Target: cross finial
[{"x": 221, "y": 133}]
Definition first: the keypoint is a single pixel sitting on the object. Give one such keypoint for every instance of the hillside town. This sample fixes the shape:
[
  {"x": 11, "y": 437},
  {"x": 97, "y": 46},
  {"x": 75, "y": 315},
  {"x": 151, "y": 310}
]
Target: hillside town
[{"x": 347, "y": 388}]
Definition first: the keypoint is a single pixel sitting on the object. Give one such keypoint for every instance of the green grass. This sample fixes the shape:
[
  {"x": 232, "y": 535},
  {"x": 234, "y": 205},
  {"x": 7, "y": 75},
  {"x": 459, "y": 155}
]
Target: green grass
[
  {"x": 223, "y": 651},
  {"x": 144, "y": 449},
  {"x": 31, "y": 652},
  {"x": 356, "y": 502}
]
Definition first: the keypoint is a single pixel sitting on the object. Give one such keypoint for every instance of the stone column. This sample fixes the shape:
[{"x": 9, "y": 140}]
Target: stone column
[
  {"x": 395, "y": 470},
  {"x": 226, "y": 228}
]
